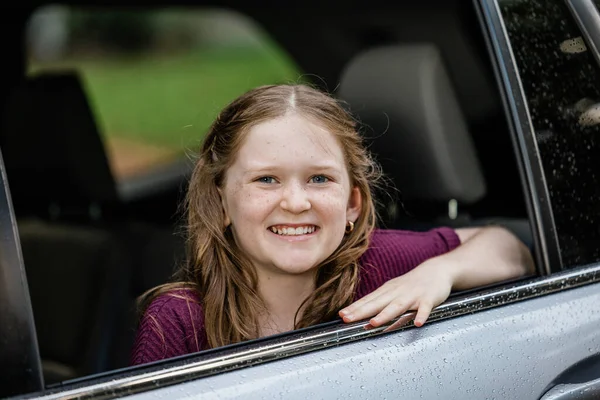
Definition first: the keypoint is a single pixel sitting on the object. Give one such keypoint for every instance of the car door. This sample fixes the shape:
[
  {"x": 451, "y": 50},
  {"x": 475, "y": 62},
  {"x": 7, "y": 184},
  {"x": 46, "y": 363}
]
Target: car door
[
  {"x": 20, "y": 366},
  {"x": 528, "y": 339}
]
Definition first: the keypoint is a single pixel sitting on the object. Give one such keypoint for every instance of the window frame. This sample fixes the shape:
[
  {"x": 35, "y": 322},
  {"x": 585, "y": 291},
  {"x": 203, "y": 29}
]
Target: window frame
[{"x": 21, "y": 362}]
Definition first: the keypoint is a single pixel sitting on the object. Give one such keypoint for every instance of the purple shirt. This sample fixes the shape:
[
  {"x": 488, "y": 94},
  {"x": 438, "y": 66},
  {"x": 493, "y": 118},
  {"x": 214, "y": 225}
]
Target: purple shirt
[{"x": 173, "y": 324}]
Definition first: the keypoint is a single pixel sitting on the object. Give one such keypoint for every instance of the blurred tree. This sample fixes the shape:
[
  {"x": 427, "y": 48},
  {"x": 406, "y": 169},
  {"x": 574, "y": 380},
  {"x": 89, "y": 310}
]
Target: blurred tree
[{"x": 122, "y": 31}]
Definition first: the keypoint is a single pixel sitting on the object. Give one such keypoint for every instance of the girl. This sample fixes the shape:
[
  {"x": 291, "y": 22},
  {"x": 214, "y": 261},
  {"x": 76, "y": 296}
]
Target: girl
[{"x": 281, "y": 235}]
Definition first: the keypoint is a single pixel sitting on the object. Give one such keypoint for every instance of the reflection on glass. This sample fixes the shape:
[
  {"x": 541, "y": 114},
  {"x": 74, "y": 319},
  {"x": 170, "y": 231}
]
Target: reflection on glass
[{"x": 561, "y": 83}]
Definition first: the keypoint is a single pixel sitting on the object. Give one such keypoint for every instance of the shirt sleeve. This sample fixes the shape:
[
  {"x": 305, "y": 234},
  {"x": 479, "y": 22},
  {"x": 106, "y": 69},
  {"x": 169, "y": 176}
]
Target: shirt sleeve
[
  {"x": 172, "y": 325},
  {"x": 392, "y": 253}
]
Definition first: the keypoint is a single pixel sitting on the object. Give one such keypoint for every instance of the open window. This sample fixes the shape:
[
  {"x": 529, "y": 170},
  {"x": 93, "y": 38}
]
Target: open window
[{"x": 155, "y": 78}]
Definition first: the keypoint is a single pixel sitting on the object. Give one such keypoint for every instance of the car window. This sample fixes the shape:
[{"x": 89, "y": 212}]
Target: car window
[
  {"x": 128, "y": 84},
  {"x": 560, "y": 78},
  {"x": 155, "y": 78}
]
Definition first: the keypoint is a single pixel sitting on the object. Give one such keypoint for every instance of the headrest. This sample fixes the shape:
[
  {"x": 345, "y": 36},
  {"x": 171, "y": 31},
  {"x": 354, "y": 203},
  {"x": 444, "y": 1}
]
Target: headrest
[
  {"x": 403, "y": 94},
  {"x": 52, "y": 151}
]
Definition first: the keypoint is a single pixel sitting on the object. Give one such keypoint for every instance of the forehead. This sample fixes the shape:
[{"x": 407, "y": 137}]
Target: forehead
[{"x": 291, "y": 137}]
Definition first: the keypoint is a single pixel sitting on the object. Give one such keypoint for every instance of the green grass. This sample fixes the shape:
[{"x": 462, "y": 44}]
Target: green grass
[{"x": 171, "y": 100}]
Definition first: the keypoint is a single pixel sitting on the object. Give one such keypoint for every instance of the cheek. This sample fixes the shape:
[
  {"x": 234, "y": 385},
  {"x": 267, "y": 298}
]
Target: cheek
[
  {"x": 252, "y": 205},
  {"x": 333, "y": 202}
]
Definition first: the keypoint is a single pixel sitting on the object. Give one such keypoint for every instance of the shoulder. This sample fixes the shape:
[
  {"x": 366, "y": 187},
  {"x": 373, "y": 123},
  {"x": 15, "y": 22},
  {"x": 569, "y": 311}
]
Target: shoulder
[
  {"x": 174, "y": 301},
  {"x": 177, "y": 307},
  {"x": 171, "y": 325}
]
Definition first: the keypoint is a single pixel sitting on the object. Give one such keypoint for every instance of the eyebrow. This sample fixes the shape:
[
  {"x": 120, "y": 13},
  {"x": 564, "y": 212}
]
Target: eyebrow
[{"x": 266, "y": 168}]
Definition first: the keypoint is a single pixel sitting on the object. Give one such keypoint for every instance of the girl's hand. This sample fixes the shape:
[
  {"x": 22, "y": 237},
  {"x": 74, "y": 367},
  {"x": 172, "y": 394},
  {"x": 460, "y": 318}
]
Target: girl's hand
[
  {"x": 429, "y": 284},
  {"x": 421, "y": 289}
]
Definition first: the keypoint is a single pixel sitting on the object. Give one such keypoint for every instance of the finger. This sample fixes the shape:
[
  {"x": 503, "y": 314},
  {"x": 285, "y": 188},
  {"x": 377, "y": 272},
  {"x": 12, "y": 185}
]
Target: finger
[
  {"x": 391, "y": 311},
  {"x": 369, "y": 309},
  {"x": 368, "y": 326},
  {"x": 403, "y": 320},
  {"x": 348, "y": 313},
  {"x": 369, "y": 297},
  {"x": 422, "y": 314}
]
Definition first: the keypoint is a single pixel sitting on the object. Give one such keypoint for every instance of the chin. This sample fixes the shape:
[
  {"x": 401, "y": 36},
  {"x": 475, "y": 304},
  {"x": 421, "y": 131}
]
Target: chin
[{"x": 296, "y": 268}]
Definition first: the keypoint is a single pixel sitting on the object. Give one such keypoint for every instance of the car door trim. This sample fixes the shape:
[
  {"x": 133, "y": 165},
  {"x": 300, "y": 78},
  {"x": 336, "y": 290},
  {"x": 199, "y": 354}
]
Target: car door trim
[{"x": 247, "y": 354}]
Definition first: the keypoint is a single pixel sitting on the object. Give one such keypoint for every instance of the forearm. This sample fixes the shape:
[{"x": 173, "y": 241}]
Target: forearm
[{"x": 491, "y": 255}]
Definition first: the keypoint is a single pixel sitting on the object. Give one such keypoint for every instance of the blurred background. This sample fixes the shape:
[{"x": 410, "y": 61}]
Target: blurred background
[{"x": 155, "y": 78}]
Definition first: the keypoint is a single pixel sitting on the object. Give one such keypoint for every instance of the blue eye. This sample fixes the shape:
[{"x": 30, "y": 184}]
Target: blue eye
[
  {"x": 319, "y": 179},
  {"x": 266, "y": 179}
]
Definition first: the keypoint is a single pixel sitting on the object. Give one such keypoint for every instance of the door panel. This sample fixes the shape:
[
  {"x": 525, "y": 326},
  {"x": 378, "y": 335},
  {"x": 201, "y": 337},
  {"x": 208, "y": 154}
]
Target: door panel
[{"x": 510, "y": 352}]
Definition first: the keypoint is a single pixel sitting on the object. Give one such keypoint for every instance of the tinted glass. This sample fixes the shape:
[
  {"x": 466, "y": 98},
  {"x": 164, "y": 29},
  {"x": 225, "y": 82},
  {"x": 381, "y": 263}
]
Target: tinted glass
[{"x": 561, "y": 81}]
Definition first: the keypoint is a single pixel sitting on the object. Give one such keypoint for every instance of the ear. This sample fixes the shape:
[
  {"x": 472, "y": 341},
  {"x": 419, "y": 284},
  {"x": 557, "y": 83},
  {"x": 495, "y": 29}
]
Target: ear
[
  {"x": 354, "y": 204},
  {"x": 226, "y": 218}
]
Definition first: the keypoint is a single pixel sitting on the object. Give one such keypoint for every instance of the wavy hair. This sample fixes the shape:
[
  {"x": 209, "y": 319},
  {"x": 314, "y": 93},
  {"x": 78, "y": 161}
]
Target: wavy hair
[{"x": 216, "y": 268}]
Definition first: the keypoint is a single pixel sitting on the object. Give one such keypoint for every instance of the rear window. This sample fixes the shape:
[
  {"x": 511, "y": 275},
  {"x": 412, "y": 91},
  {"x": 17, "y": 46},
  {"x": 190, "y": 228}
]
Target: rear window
[{"x": 155, "y": 79}]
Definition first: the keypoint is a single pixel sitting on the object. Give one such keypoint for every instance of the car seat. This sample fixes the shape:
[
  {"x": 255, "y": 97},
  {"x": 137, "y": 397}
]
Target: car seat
[
  {"x": 85, "y": 260},
  {"x": 411, "y": 120}
]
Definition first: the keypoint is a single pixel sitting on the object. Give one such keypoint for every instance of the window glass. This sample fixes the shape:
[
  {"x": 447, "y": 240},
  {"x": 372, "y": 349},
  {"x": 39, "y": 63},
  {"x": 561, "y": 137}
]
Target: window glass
[
  {"x": 155, "y": 79},
  {"x": 561, "y": 81}
]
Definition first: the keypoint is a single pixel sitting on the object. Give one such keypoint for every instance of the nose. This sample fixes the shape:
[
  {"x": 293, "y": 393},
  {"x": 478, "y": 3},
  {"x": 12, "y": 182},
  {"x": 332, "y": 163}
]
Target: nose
[{"x": 295, "y": 198}]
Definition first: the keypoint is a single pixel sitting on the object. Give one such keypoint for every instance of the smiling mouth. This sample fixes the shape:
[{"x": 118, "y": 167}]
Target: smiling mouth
[{"x": 293, "y": 231}]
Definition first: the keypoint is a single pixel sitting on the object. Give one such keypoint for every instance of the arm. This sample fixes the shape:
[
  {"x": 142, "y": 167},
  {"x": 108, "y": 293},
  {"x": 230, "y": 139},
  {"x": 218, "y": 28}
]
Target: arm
[{"x": 485, "y": 255}]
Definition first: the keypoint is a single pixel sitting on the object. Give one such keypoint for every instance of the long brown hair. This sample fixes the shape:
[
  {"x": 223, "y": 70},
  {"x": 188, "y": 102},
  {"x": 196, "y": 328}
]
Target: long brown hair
[{"x": 217, "y": 269}]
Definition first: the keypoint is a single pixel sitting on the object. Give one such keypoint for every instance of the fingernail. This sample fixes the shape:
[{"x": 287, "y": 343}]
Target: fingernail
[{"x": 349, "y": 317}]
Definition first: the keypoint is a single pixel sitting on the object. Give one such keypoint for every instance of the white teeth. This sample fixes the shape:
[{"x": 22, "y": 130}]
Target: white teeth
[{"x": 301, "y": 230}]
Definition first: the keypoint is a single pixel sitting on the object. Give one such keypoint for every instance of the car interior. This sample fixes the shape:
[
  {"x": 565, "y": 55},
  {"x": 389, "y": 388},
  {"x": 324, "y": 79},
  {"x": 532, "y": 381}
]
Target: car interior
[{"x": 417, "y": 75}]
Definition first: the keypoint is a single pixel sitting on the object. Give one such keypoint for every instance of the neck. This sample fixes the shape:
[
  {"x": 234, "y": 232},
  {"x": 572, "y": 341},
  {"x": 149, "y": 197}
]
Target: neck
[{"x": 283, "y": 295}]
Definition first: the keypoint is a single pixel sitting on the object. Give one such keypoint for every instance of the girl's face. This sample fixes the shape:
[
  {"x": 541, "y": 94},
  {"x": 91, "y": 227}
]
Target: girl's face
[{"x": 288, "y": 196}]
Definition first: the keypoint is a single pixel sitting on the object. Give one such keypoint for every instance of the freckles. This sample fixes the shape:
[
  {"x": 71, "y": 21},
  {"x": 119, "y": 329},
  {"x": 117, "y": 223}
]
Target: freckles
[
  {"x": 332, "y": 201},
  {"x": 237, "y": 188},
  {"x": 258, "y": 200}
]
